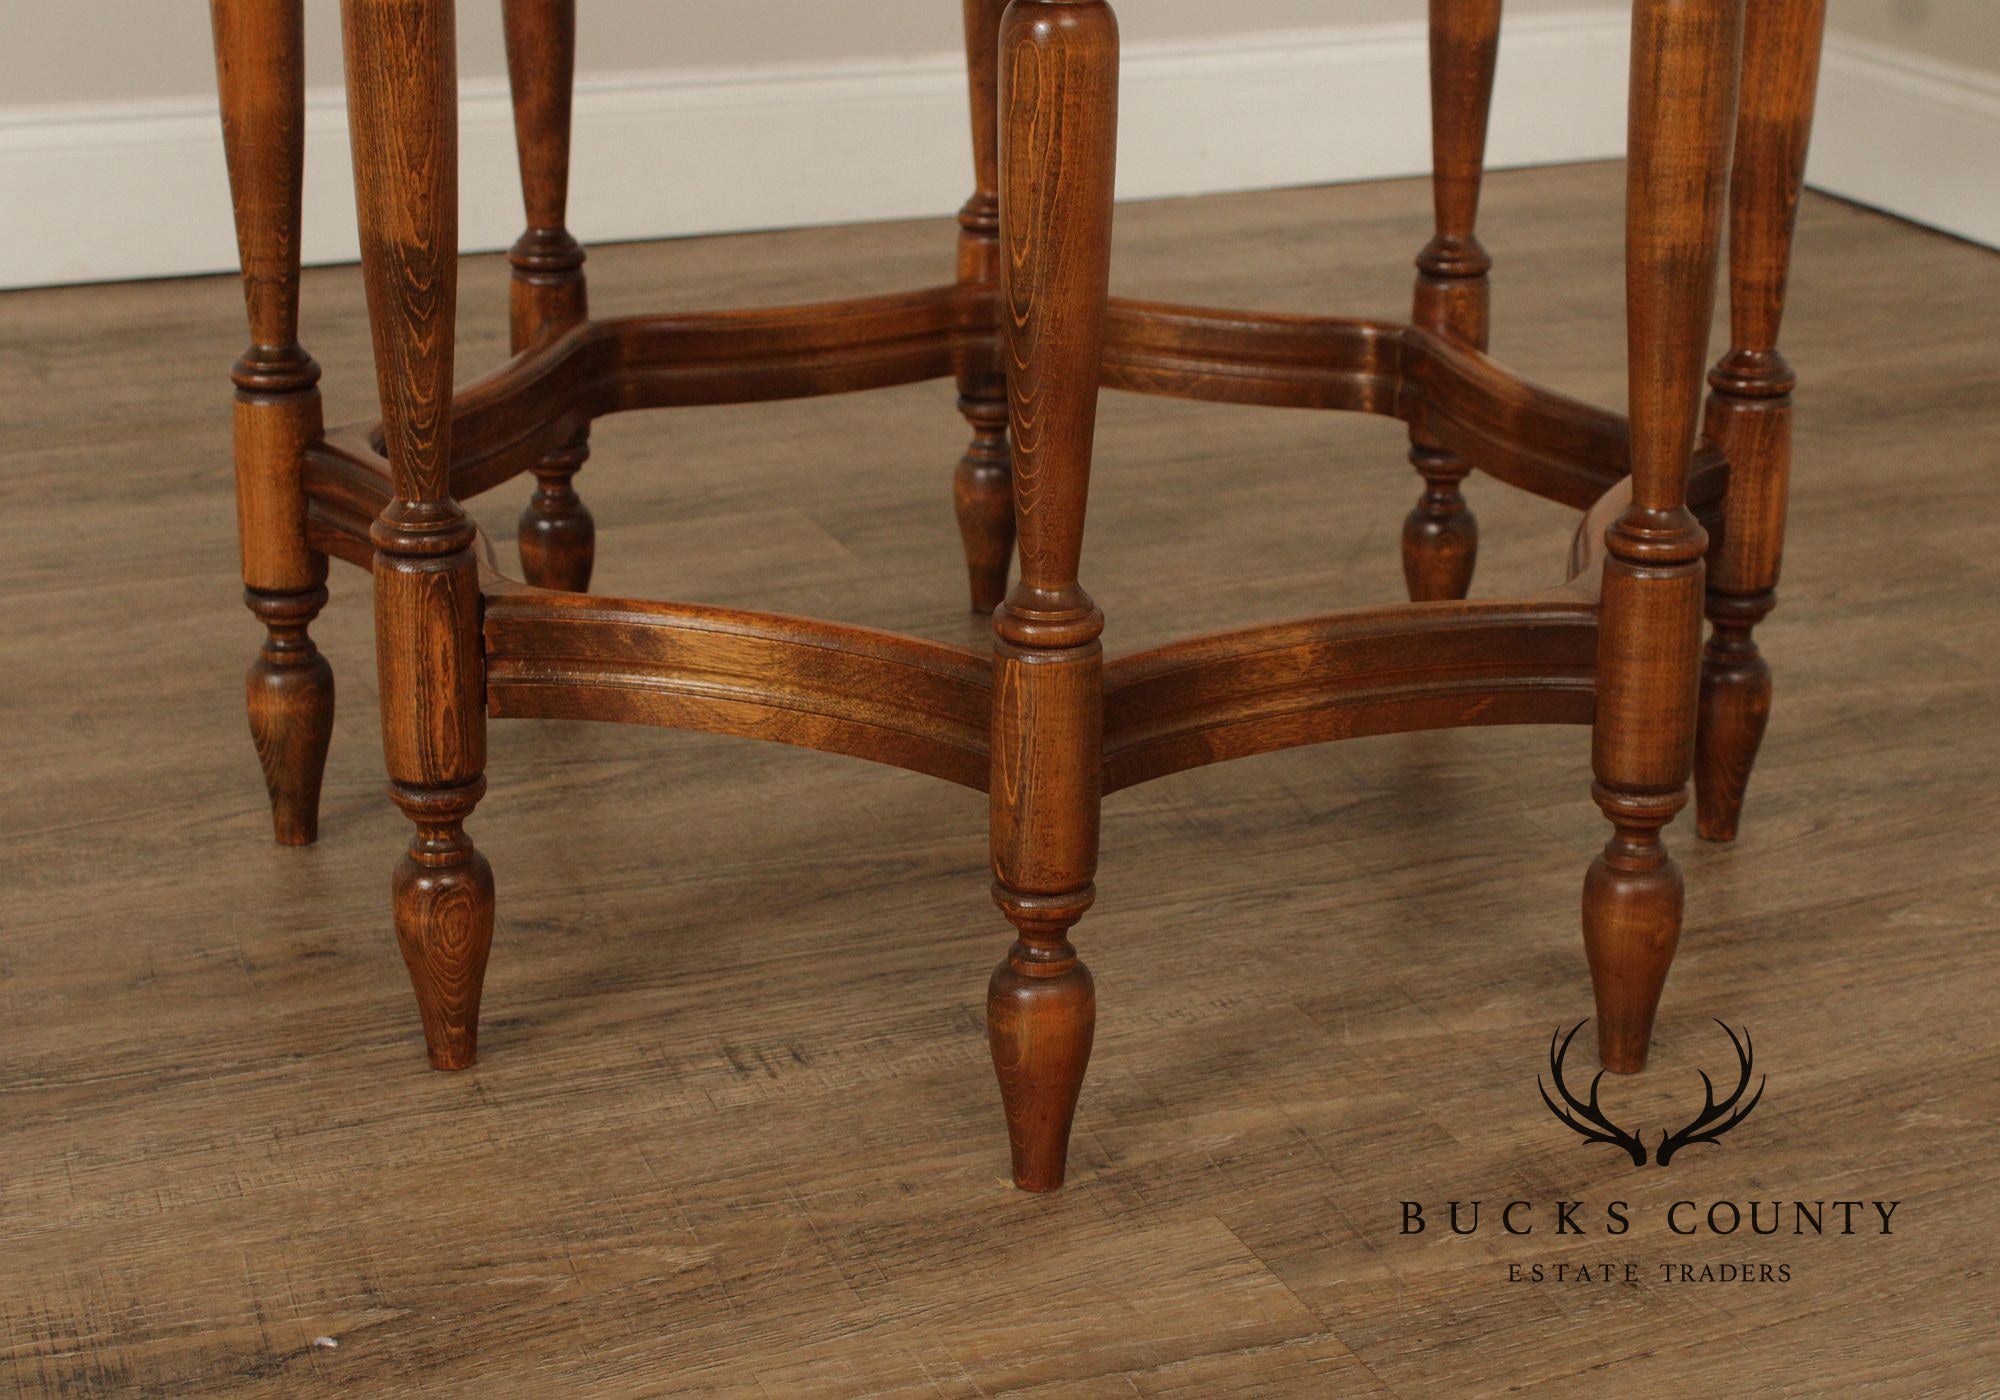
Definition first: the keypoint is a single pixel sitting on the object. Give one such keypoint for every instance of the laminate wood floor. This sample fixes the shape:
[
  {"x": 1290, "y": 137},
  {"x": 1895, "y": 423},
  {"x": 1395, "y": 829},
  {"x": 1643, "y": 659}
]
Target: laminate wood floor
[{"x": 733, "y": 1131}]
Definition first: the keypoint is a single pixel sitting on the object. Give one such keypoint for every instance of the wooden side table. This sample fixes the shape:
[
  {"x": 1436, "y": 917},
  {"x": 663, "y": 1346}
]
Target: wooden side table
[{"x": 1027, "y": 328}]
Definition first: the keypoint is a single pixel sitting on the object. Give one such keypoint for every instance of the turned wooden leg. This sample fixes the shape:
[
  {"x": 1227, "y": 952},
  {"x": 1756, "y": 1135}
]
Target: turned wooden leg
[
  {"x": 403, "y": 112},
  {"x": 1684, "y": 63},
  {"x": 1440, "y": 536},
  {"x": 557, "y": 533},
  {"x": 1750, "y": 406},
  {"x": 558, "y": 536},
  {"x": 982, "y": 491},
  {"x": 443, "y": 898},
  {"x": 260, "y": 71},
  {"x": 1041, "y": 1015},
  {"x": 982, "y": 488},
  {"x": 289, "y": 694},
  {"x": 1059, "y": 90}
]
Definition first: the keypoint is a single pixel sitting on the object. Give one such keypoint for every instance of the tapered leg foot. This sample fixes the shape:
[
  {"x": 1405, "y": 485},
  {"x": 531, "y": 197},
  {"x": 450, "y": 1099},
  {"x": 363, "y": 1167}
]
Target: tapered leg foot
[
  {"x": 558, "y": 535},
  {"x": 289, "y": 692},
  {"x": 1632, "y": 902},
  {"x": 1440, "y": 535},
  {"x": 1735, "y": 708},
  {"x": 1041, "y": 1015},
  {"x": 983, "y": 492},
  {"x": 443, "y": 897}
]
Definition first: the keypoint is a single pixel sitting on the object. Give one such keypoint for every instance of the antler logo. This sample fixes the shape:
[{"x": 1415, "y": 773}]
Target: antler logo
[
  {"x": 1590, "y": 1122},
  {"x": 1595, "y": 1126}
]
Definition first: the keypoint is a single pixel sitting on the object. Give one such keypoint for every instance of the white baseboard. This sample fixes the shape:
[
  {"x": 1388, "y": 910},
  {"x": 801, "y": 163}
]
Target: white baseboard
[
  {"x": 112, "y": 191},
  {"x": 1909, "y": 135}
]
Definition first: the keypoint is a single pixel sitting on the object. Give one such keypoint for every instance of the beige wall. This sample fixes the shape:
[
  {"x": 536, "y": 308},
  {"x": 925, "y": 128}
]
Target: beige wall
[
  {"x": 106, "y": 50},
  {"x": 100, "y": 95},
  {"x": 1951, "y": 31}
]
